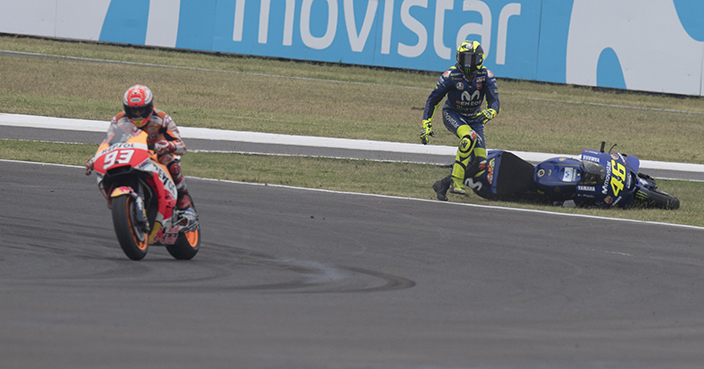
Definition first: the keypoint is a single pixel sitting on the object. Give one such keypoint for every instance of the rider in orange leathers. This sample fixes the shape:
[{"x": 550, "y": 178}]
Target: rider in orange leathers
[{"x": 163, "y": 136}]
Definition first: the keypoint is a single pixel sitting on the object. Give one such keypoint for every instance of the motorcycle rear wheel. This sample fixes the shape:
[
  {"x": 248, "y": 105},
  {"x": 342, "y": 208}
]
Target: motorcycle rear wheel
[
  {"x": 186, "y": 246},
  {"x": 132, "y": 239},
  {"x": 659, "y": 199}
]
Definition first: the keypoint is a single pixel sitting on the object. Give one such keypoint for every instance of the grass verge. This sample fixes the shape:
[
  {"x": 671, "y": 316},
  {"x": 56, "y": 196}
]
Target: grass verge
[
  {"x": 288, "y": 97},
  {"x": 397, "y": 179}
]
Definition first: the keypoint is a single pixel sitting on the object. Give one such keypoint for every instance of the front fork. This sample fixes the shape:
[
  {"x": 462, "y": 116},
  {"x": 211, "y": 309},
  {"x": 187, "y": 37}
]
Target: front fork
[{"x": 141, "y": 211}]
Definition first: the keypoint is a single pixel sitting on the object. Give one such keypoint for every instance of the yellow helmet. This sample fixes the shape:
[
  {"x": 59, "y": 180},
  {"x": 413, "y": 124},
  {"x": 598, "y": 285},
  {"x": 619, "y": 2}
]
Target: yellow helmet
[{"x": 470, "y": 56}]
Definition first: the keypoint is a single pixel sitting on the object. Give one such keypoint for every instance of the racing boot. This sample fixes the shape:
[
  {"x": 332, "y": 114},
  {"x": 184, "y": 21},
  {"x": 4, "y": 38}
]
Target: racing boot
[
  {"x": 456, "y": 186},
  {"x": 442, "y": 186}
]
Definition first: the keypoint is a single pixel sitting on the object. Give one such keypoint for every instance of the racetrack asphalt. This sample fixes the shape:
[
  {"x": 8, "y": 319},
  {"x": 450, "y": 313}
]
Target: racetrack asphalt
[{"x": 299, "y": 278}]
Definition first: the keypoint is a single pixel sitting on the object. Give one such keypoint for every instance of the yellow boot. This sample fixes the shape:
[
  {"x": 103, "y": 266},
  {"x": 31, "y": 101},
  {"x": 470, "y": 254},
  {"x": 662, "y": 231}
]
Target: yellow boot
[{"x": 456, "y": 186}]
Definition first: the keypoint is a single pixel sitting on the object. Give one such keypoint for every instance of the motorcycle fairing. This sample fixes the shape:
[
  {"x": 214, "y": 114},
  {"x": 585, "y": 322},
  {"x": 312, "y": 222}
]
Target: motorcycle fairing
[
  {"x": 163, "y": 232},
  {"x": 633, "y": 162},
  {"x": 122, "y": 190},
  {"x": 119, "y": 154},
  {"x": 127, "y": 147},
  {"x": 164, "y": 235},
  {"x": 131, "y": 177},
  {"x": 557, "y": 177},
  {"x": 163, "y": 184},
  {"x": 617, "y": 185},
  {"x": 594, "y": 179}
]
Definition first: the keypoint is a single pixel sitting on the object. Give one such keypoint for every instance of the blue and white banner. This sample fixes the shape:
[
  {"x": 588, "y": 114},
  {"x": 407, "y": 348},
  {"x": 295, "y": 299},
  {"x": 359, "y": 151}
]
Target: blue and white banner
[{"x": 649, "y": 45}]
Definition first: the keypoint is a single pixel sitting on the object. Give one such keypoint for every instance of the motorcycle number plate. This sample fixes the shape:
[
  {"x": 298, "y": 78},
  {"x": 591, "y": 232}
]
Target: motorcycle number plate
[{"x": 117, "y": 157}]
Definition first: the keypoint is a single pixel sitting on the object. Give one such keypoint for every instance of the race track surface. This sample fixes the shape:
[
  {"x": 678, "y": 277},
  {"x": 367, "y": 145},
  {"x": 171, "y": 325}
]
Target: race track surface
[{"x": 296, "y": 278}]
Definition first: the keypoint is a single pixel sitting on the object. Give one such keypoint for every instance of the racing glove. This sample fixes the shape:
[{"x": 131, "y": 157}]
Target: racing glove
[
  {"x": 162, "y": 147},
  {"x": 427, "y": 130},
  {"x": 89, "y": 166},
  {"x": 485, "y": 115}
]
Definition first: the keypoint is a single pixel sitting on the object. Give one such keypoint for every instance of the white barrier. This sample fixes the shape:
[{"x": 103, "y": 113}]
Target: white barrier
[{"x": 31, "y": 121}]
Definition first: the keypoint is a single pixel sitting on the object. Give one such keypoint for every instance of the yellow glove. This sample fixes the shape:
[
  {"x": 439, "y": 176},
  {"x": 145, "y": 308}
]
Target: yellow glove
[
  {"x": 426, "y": 132},
  {"x": 485, "y": 115}
]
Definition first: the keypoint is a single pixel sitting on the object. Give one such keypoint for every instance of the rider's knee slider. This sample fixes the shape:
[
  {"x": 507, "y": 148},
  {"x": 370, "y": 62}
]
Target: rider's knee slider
[{"x": 467, "y": 142}]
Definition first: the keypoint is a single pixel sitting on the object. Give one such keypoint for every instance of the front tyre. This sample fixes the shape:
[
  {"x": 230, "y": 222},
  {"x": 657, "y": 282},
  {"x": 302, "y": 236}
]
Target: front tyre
[
  {"x": 132, "y": 239},
  {"x": 654, "y": 198},
  {"x": 186, "y": 246}
]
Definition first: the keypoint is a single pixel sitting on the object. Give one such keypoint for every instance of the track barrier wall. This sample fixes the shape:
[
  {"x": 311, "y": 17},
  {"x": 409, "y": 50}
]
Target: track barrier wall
[{"x": 645, "y": 45}]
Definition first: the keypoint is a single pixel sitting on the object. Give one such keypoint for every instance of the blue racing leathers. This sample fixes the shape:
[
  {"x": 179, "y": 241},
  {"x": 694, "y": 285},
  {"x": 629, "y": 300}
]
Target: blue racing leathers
[{"x": 462, "y": 113}]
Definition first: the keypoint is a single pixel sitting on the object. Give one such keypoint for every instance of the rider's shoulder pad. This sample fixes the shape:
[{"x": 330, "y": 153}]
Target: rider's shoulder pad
[
  {"x": 453, "y": 74},
  {"x": 160, "y": 113},
  {"x": 486, "y": 72}
]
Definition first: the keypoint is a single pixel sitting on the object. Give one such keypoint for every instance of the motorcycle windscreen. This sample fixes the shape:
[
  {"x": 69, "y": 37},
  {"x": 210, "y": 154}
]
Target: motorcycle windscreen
[{"x": 633, "y": 162}]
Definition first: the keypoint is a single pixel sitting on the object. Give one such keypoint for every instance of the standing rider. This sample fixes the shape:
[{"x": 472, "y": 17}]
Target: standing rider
[
  {"x": 466, "y": 84},
  {"x": 163, "y": 136}
]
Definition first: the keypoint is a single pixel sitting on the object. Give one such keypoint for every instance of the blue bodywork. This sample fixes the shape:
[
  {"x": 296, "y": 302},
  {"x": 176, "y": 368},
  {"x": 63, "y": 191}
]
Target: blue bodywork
[{"x": 594, "y": 179}]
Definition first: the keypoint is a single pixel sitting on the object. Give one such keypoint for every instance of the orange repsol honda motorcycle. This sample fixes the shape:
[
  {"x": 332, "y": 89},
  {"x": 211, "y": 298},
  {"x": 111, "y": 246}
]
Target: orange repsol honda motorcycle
[{"x": 142, "y": 196}]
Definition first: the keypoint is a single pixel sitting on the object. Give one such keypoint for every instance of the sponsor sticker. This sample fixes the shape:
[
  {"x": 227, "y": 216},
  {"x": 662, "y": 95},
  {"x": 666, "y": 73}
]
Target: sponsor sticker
[
  {"x": 607, "y": 179},
  {"x": 568, "y": 175},
  {"x": 490, "y": 171},
  {"x": 118, "y": 146}
]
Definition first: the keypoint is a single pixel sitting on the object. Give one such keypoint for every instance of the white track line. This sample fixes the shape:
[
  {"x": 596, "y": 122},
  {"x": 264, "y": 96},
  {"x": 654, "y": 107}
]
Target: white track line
[{"x": 442, "y": 203}]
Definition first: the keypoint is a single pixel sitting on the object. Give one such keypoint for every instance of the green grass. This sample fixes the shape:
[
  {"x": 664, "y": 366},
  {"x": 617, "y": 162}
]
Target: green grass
[
  {"x": 289, "y": 97},
  {"x": 250, "y": 94},
  {"x": 349, "y": 175}
]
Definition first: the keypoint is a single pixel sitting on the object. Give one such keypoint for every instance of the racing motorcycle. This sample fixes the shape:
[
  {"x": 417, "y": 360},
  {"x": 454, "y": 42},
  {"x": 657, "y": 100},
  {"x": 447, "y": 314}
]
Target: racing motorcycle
[
  {"x": 596, "y": 178},
  {"x": 142, "y": 196}
]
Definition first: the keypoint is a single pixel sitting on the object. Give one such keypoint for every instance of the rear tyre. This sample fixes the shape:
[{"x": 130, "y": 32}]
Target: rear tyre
[
  {"x": 132, "y": 239},
  {"x": 654, "y": 198},
  {"x": 186, "y": 246}
]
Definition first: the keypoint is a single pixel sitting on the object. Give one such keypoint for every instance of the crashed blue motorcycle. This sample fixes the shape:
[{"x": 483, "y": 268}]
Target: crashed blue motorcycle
[{"x": 595, "y": 179}]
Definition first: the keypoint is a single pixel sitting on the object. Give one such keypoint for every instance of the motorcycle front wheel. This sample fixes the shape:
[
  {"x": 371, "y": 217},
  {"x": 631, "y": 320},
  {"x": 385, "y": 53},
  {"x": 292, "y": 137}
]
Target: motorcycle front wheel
[
  {"x": 132, "y": 239},
  {"x": 654, "y": 198}
]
